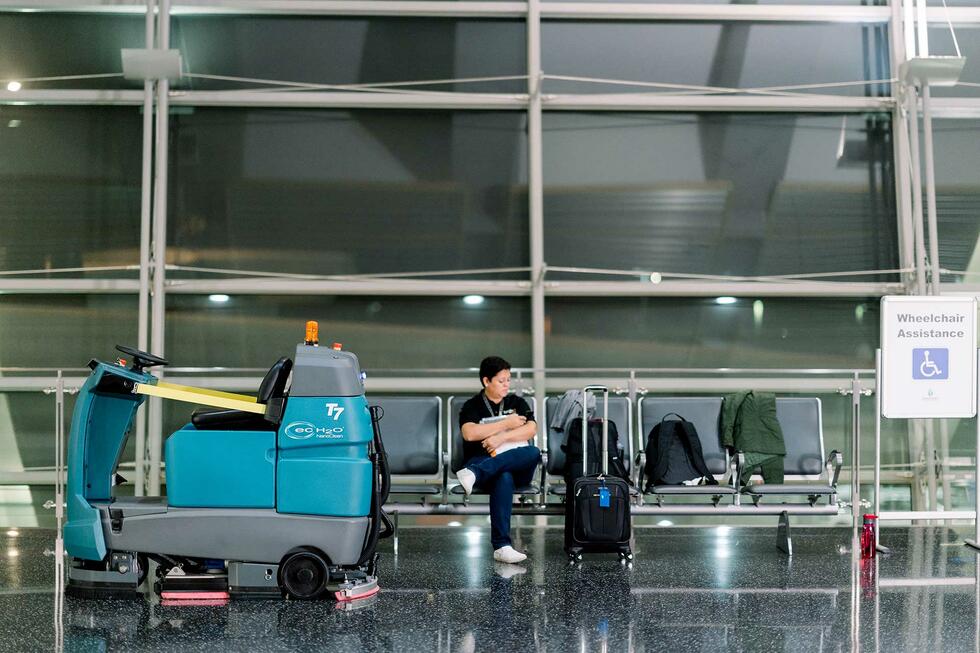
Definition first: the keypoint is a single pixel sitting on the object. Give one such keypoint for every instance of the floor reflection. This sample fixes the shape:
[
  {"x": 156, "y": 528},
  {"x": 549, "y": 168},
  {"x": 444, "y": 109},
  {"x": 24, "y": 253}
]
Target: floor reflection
[{"x": 689, "y": 590}]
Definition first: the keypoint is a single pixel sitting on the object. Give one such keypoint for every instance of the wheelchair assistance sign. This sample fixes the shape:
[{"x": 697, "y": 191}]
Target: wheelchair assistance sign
[{"x": 928, "y": 357}]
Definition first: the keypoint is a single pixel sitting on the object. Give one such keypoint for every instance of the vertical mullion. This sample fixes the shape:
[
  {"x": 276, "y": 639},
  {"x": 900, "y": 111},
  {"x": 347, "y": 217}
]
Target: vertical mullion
[
  {"x": 145, "y": 223},
  {"x": 535, "y": 200},
  {"x": 900, "y": 148},
  {"x": 159, "y": 245}
]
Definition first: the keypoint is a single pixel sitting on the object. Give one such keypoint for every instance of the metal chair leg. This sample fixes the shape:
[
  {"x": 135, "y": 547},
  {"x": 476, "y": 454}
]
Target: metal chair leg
[
  {"x": 396, "y": 513},
  {"x": 784, "y": 541}
]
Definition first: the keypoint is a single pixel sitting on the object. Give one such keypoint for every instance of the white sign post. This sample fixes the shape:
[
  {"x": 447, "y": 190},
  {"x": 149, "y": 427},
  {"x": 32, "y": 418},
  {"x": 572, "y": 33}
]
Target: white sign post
[{"x": 928, "y": 357}]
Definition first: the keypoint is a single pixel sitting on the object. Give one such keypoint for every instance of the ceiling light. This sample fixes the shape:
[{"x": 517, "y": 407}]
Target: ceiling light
[
  {"x": 725, "y": 300},
  {"x": 473, "y": 300},
  {"x": 13, "y": 86},
  {"x": 219, "y": 299}
]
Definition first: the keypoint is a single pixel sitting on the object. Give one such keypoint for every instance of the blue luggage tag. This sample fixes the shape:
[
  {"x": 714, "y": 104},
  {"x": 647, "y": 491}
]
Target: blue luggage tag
[{"x": 603, "y": 497}]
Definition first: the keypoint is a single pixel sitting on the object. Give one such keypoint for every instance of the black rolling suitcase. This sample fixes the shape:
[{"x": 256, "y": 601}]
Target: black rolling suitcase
[{"x": 597, "y": 507}]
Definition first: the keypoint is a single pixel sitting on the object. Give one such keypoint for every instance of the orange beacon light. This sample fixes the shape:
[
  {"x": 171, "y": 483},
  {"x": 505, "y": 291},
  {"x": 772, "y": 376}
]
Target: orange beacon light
[{"x": 312, "y": 333}]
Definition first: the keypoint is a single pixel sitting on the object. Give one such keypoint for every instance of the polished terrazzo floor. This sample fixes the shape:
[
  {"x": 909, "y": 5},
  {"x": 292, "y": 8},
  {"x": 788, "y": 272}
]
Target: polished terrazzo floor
[{"x": 690, "y": 589}]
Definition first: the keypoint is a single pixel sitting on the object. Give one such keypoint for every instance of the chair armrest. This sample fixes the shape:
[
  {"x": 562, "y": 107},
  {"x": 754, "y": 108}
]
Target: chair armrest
[
  {"x": 739, "y": 468},
  {"x": 544, "y": 478},
  {"x": 445, "y": 477},
  {"x": 641, "y": 464},
  {"x": 834, "y": 463},
  {"x": 733, "y": 469}
]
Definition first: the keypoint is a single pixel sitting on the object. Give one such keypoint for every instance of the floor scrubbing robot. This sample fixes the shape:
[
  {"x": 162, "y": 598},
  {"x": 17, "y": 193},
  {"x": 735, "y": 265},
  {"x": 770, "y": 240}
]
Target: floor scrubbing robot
[{"x": 275, "y": 494}]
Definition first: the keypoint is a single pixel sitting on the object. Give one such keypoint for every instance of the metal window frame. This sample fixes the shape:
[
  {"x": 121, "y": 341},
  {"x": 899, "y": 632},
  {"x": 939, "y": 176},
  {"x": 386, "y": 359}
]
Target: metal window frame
[{"x": 802, "y": 13}]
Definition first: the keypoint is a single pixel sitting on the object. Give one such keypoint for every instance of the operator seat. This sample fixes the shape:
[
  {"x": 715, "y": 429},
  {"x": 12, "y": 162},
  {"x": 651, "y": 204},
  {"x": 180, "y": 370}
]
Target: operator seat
[{"x": 273, "y": 386}]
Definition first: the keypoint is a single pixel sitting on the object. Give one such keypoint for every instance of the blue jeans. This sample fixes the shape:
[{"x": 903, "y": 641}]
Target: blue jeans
[{"x": 498, "y": 476}]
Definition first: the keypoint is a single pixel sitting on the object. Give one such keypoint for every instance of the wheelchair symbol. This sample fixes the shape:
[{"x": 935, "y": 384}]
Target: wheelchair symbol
[
  {"x": 930, "y": 363},
  {"x": 928, "y": 368}
]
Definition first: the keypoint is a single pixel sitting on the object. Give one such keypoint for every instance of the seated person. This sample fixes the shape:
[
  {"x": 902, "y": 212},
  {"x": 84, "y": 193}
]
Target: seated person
[{"x": 498, "y": 472}]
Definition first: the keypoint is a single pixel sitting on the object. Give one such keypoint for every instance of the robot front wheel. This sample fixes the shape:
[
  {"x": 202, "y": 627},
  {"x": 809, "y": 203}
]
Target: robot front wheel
[{"x": 303, "y": 574}]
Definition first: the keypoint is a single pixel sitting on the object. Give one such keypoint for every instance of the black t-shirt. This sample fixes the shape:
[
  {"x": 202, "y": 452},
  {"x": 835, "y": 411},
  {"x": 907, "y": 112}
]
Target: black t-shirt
[{"x": 476, "y": 409}]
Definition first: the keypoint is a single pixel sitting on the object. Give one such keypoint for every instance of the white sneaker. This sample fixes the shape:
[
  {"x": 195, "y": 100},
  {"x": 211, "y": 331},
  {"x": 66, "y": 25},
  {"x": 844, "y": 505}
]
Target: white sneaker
[
  {"x": 509, "y": 555},
  {"x": 466, "y": 478}
]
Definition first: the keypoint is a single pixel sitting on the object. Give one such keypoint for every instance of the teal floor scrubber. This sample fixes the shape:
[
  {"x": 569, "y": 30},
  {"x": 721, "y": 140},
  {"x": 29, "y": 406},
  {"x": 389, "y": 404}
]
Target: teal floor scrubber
[{"x": 278, "y": 494}]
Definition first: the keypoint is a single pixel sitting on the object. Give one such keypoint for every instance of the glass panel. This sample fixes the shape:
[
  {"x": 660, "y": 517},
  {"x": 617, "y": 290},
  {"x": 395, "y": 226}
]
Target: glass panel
[
  {"x": 70, "y": 183},
  {"x": 729, "y": 194},
  {"x": 290, "y": 48},
  {"x": 384, "y": 332},
  {"x": 48, "y": 45},
  {"x": 353, "y": 50},
  {"x": 941, "y": 44},
  {"x": 728, "y": 55},
  {"x": 342, "y": 192},
  {"x": 701, "y": 333},
  {"x": 939, "y": 464},
  {"x": 27, "y": 429},
  {"x": 957, "y": 159},
  {"x": 64, "y": 331}
]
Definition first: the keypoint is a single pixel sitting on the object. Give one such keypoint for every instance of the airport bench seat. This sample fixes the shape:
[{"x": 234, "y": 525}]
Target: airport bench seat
[
  {"x": 703, "y": 412},
  {"x": 528, "y": 490},
  {"x": 409, "y": 488},
  {"x": 620, "y": 412},
  {"x": 789, "y": 489},
  {"x": 411, "y": 430},
  {"x": 424, "y": 447},
  {"x": 802, "y": 426},
  {"x": 692, "y": 490},
  {"x": 456, "y": 450}
]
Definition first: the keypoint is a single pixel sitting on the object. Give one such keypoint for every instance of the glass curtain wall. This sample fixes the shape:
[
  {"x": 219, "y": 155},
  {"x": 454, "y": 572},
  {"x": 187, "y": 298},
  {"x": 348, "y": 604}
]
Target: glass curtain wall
[{"x": 432, "y": 168}]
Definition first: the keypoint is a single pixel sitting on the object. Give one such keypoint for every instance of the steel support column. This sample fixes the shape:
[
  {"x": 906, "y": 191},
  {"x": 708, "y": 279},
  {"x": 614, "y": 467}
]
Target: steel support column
[
  {"x": 535, "y": 193},
  {"x": 142, "y": 329},
  {"x": 920, "y": 247},
  {"x": 930, "y": 191},
  {"x": 900, "y": 151},
  {"x": 855, "y": 452},
  {"x": 159, "y": 247}
]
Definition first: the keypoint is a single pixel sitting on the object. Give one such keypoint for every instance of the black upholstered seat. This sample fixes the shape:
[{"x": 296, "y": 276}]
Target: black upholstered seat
[
  {"x": 273, "y": 386},
  {"x": 411, "y": 432},
  {"x": 703, "y": 413},
  {"x": 456, "y": 448},
  {"x": 620, "y": 413}
]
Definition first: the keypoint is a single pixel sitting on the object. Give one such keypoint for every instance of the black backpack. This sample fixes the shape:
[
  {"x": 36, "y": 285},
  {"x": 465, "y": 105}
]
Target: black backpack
[
  {"x": 573, "y": 450},
  {"x": 674, "y": 454}
]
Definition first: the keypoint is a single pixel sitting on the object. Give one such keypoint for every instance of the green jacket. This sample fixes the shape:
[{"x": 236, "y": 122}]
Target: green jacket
[{"x": 749, "y": 424}]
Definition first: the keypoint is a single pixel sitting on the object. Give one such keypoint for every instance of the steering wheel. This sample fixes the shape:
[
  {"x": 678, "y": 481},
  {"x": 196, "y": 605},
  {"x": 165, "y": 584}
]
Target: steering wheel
[{"x": 141, "y": 359}]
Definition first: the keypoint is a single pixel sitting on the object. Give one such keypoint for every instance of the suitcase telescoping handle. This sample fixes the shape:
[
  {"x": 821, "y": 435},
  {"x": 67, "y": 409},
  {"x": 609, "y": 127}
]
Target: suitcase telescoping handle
[{"x": 605, "y": 428}]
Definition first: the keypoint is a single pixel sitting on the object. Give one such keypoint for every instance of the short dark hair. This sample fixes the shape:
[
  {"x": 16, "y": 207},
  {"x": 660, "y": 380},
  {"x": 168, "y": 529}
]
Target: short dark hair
[{"x": 491, "y": 366}]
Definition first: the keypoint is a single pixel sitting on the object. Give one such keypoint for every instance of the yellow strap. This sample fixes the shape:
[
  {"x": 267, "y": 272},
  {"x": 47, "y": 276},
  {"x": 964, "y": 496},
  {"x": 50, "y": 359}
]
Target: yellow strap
[
  {"x": 199, "y": 398},
  {"x": 206, "y": 391}
]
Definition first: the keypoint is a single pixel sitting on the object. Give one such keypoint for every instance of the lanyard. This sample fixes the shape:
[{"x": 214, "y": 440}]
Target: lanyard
[{"x": 486, "y": 402}]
